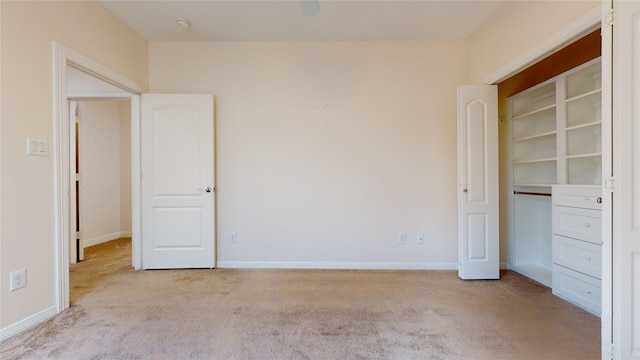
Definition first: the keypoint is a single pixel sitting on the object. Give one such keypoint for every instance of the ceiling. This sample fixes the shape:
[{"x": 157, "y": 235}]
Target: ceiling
[{"x": 283, "y": 20}]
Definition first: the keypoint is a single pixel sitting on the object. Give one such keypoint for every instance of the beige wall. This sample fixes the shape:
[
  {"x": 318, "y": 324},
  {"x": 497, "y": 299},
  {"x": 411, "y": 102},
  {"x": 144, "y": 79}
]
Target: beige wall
[
  {"x": 327, "y": 150},
  {"x": 516, "y": 27},
  {"x": 27, "y": 202}
]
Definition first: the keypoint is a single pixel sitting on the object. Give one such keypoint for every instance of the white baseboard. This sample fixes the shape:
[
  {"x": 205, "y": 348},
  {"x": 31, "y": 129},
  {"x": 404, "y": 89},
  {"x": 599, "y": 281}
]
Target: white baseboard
[
  {"x": 104, "y": 238},
  {"x": 27, "y": 323},
  {"x": 335, "y": 265}
]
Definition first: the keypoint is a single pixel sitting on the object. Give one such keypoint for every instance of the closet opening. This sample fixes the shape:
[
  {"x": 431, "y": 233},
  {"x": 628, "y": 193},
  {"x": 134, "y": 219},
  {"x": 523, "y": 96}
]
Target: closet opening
[{"x": 550, "y": 171}]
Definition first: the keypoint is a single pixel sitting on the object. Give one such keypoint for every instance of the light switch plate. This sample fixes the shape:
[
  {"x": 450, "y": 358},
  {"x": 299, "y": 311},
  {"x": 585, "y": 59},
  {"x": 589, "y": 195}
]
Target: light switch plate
[{"x": 38, "y": 147}]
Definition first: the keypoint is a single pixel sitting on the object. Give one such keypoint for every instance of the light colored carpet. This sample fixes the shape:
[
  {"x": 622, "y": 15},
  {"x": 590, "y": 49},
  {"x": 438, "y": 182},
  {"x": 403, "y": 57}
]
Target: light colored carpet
[{"x": 119, "y": 313}]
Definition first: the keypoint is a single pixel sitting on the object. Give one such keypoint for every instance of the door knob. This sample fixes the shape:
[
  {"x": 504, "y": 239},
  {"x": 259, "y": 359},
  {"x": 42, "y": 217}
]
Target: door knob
[
  {"x": 207, "y": 189},
  {"x": 465, "y": 190}
]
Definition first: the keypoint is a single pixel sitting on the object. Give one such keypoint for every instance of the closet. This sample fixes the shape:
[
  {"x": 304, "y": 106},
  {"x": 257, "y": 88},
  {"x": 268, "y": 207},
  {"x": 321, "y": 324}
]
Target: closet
[{"x": 555, "y": 175}]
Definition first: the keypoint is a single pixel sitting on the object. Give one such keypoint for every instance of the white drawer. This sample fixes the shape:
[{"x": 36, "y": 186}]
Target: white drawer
[
  {"x": 577, "y": 288},
  {"x": 580, "y": 197},
  {"x": 578, "y": 255},
  {"x": 582, "y": 224}
]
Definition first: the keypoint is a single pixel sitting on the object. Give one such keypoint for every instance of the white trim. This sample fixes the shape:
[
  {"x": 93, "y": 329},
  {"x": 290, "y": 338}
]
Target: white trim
[
  {"x": 63, "y": 57},
  {"x": 61, "y": 175},
  {"x": 97, "y": 96},
  {"x": 607, "y": 195},
  {"x": 334, "y": 265},
  {"x": 561, "y": 38},
  {"x": 97, "y": 70},
  {"x": 27, "y": 323},
  {"x": 104, "y": 238}
]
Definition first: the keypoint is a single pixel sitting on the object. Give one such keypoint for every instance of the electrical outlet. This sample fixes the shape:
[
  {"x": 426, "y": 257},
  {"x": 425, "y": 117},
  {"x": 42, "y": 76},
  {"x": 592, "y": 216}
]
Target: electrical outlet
[
  {"x": 420, "y": 239},
  {"x": 18, "y": 279},
  {"x": 402, "y": 239},
  {"x": 233, "y": 237}
]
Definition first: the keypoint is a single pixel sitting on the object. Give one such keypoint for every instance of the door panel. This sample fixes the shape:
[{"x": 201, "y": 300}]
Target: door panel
[
  {"x": 626, "y": 187},
  {"x": 478, "y": 182},
  {"x": 76, "y": 250},
  {"x": 477, "y": 237},
  {"x": 177, "y": 181}
]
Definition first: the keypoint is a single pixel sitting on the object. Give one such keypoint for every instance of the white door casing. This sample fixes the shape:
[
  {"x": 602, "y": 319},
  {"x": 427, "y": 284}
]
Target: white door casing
[
  {"x": 626, "y": 180},
  {"x": 177, "y": 165},
  {"x": 478, "y": 231}
]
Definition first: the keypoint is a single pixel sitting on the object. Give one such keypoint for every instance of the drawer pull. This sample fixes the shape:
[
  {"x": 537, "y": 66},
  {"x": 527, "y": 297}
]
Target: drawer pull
[
  {"x": 589, "y": 292},
  {"x": 599, "y": 200},
  {"x": 588, "y": 258},
  {"x": 587, "y": 225}
]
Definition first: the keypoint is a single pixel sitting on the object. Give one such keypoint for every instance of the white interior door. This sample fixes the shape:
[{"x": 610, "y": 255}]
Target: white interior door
[
  {"x": 177, "y": 165},
  {"x": 626, "y": 184},
  {"x": 478, "y": 240},
  {"x": 76, "y": 248}
]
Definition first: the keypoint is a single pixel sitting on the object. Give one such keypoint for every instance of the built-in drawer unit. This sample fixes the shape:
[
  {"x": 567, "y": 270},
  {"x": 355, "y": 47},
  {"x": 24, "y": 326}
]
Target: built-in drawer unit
[
  {"x": 581, "y": 256},
  {"x": 583, "y": 224},
  {"x": 577, "y": 245},
  {"x": 585, "y": 197},
  {"x": 578, "y": 288}
]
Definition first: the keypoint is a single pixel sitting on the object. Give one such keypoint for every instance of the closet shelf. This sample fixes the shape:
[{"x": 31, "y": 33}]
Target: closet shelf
[
  {"x": 544, "y": 96},
  {"x": 586, "y": 155},
  {"x": 550, "y": 133},
  {"x": 535, "y": 271},
  {"x": 583, "y": 125},
  {"x": 578, "y": 97},
  {"x": 534, "y": 161},
  {"x": 533, "y": 184},
  {"x": 533, "y": 112}
]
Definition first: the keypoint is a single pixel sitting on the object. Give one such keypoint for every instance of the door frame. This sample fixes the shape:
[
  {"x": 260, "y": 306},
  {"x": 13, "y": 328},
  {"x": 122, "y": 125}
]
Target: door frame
[{"x": 64, "y": 56}]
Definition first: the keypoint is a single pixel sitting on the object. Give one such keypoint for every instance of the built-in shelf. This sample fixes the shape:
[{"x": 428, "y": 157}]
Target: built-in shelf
[
  {"x": 533, "y": 161},
  {"x": 578, "y": 97},
  {"x": 555, "y": 138},
  {"x": 591, "y": 155},
  {"x": 536, "y": 185},
  {"x": 569, "y": 128},
  {"x": 550, "y": 133},
  {"x": 537, "y": 272},
  {"x": 534, "y": 112}
]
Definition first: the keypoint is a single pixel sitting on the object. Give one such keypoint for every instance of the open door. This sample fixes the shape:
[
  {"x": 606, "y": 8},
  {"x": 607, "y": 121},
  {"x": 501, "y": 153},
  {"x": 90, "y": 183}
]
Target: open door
[
  {"x": 478, "y": 232},
  {"x": 625, "y": 183},
  {"x": 76, "y": 247},
  {"x": 177, "y": 165}
]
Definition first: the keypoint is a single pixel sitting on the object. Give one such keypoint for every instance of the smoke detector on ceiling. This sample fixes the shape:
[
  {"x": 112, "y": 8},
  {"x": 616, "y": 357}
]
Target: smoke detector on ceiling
[{"x": 183, "y": 23}]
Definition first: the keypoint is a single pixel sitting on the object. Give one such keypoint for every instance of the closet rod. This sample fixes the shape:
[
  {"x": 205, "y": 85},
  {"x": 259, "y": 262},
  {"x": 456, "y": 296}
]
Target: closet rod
[{"x": 530, "y": 193}]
